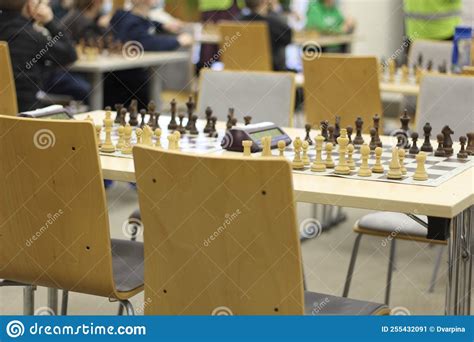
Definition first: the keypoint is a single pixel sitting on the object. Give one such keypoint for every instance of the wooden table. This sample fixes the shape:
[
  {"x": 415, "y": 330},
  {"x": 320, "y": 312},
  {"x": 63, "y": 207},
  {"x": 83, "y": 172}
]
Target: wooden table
[
  {"x": 103, "y": 64},
  {"x": 453, "y": 200}
]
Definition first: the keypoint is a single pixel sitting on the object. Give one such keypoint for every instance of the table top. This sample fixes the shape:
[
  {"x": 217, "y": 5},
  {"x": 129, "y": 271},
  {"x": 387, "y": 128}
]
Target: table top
[
  {"x": 118, "y": 62},
  {"x": 445, "y": 200}
]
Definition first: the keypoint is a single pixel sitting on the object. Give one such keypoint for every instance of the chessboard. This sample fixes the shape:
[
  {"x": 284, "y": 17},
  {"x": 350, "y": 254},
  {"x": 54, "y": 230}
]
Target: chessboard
[{"x": 439, "y": 169}]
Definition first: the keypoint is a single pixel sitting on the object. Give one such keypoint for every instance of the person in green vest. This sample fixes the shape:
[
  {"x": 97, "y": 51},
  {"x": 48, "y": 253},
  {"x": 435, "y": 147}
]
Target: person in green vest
[{"x": 432, "y": 19}]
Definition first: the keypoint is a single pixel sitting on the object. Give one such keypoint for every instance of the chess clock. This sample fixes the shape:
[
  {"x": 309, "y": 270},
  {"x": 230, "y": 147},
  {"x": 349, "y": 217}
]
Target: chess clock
[
  {"x": 233, "y": 138},
  {"x": 55, "y": 112}
]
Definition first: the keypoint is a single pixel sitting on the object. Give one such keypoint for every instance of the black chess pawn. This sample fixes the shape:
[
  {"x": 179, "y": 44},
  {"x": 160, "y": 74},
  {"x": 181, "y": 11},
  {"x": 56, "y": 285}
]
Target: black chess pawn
[
  {"x": 462, "y": 154},
  {"x": 230, "y": 117},
  {"x": 151, "y": 112},
  {"x": 337, "y": 128},
  {"x": 426, "y": 147},
  {"x": 191, "y": 106},
  {"x": 373, "y": 139},
  {"x": 142, "y": 115},
  {"x": 118, "y": 110},
  {"x": 448, "y": 142},
  {"x": 133, "y": 121},
  {"x": 414, "y": 148},
  {"x": 233, "y": 122},
  {"x": 376, "y": 119},
  {"x": 194, "y": 130},
  {"x": 123, "y": 114},
  {"x": 470, "y": 143},
  {"x": 405, "y": 121},
  {"x": 173, "y": 124},
  {"x": 440, "y": 150},
  {"x": 181, "y": 128},
  {"x": 324, "y": 129},
  {"x": 208, "y": 127},
  {"x": 308, "y": 133},
  {"x": 247, "y": 120},
  {"x": 358, "y": 140},
  {"x": 420, "y": 60},
  {"x": 213, "y": 133},
  {"x": 331, "y": 138},
  {"x": 349, "y": 130},
  {"x": 443, "y": 68},
  {"x": 429, "y": 66},
  {"x": 156, "y": 121}
]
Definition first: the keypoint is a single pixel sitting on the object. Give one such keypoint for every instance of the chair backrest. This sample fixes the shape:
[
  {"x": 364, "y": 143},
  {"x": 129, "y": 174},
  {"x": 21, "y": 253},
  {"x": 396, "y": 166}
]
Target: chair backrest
[
  {"x": 266, "y": 96},
  {"x": 8, "y": 100},
  {"x": 342, "y": 85},
  {"x": 438, "y": 52},
  {"x": 446, "y": 100},
  {"x": 54, "y": 228},
  {"x": 245, "y": 46},
  {"x": 221, "y": 235}
]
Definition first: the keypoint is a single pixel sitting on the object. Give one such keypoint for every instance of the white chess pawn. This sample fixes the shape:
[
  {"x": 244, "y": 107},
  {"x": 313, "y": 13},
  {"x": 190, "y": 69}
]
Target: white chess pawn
[
  {"x": 365, "y": 170},
  {"x": 139, "y": 134},
  {"x": 378, "y": 167},
  {"x": 305, "y": 158},
  {"x": 329, "y": 161},
  {"x": 120, "y": 142},
  {"x": 420, "y": 172},
  {"x": 127, "y": 136},
  {"x": 350, "y": 160},
  {"x": 281, "y": 148},
  {"x": 401, "y": 158},
  {"x": 158, "y": 137},
  {"x": 297, "y": 161},
  {"x": 98, "y": 130}
]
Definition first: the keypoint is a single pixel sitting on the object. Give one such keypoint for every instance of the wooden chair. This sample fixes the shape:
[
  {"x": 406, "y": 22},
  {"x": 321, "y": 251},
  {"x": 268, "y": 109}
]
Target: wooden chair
[
  {"x": 437, "y": 52},
  {"x": 266, "y": 96},
  {"x": 342, "y": 85},
  {"x": 54, "y": 229},
  {"x": 468, "y": 70},
  {"x": 222, "y": 232},
  {"x": 245, "y": 46},
  {"x": 8, "y": 100}
]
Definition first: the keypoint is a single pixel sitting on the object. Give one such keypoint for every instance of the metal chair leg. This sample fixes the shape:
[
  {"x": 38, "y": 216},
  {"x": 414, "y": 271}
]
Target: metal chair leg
[
  {"x": 120, "y": 310},
  {"x": 128, "y": 307},
  {"x": 391, "y": 264},
  {"x": 350, "y": 271},
  {"x": 64, "y": 303},
  {"x": 29, "y": 300},
  {"x": 434, "y": 276}
]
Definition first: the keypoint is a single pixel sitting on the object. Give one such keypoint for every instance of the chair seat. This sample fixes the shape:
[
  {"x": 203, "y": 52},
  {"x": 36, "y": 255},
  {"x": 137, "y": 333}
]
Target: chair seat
[
  {"x": 388, "y": 222},
  {"x": 322, "y": 304},
  {"x": 128, "y": 264}
]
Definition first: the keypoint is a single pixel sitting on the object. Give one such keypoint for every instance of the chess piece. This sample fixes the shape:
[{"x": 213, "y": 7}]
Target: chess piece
[
  {"x": 418, "y": 75},
  {"x": 173, "y": 125},
  {"x": 172, "y": 142},
  {"x": 127, "y": 146},
  {"x": 281, "y": 147},
  {"x": 405, "y": 121},
  {"x": 420, "y": 172},
  {"x": 193, "y": 130},
  {"x": 247, "y": 120},
  {"x": 337, "y": 128},
  {"x": 266, "y": 146},
  {"x": 376, "y": 119},
  {"x": 426, "y": 147},
  {"x": 405, "y": 73},
  {"x": 358, "y": 140},
  {"x": 181, "y": 128},
  {"x": 118, "y": 110},
  {"x": 308, "y": 132},
  {"x": 108, "y": 146},
  {"x": 318, "y": 164},
  {"x": 213, "y": 133},
  {"x": 139, "y": 134},
  {"x": 98, "y": 130},
  {"x": 392, "y": 68},
  {"x": 142, "y": 115},
  {"x": 462, "y": 154},
  {"x": 120, "y": 142},
  {"x": 373, "y": 139},
  {"x": 349, "y": 133},
  {"x": 158, "y": 137},
  {"x": 324, "y": 129},
  {"x": 177, "y": 139},
  {"x": 350, "y": 160},
  {"x": 191, "y": 106},
  {"x": 342, "y": 168},
  {"x": 470, "y": 143},
  {"x": 133, "y": 110},
  {"x": 152, "y": 112},
  {"x": 448, "y": 142},
  {"x": 420, "y": 60},
  {"x": 208, "y": 127},
  {"x": 378, "y": 167},
  {"x": 331, "y": 135},
  {"x": 147, "y": 136},
  {"x": 365, "y": 170},
  {"x": 230, "y": 118},
  {"x": 414, "y": 148},
  {"x": 297, "y": 161},
  {"x": 123, "y": 114},
  {"x": 329, "y": 161},
  {"x": 305, "y": 157},
  {"x": 395, "y": 170},
  {"x": 401, "y": 158},
  {"x": 156, "y": 120},
  {"x": 443, "y": 68},
  {"x": 247, "y": 145},
  {"x": 440, "y": 150},
  {"x": 429, "y": 66}
]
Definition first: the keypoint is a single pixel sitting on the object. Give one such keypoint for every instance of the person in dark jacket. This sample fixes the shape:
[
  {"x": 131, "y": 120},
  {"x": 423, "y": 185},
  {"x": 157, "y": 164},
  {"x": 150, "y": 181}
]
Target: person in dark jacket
[
  {"x": 138, "y": 32},
  {"x": 281, "y": 34},
  {"x": 85, "y": 20},
  {"x": 31, "y": 50}
]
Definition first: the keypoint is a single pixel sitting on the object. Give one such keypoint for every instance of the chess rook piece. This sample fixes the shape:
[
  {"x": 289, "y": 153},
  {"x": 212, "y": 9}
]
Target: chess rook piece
[
  {"x": 342, "y": 167},
  {"x": 208, "y": 127},
  {"x": 331, "y": 135},
  {"x": 319, "y": 165},
  {"x": 173, "y": 125},
  {"x": 349, "y": 133},
  {"x": 247, "y": 120},
  {"x": 426, "y": 147},
  {"x": 358, "y": 140},
  {"x": 324, "y": 129},
  {"x": 308, "y": 132},
  {"x": 470, "y": 143},
  {"x": 420, "y": 172},
  {"x": 440, "y": 150},
  {"x": 378, "y": 167},
  {"x": 365, "y": 170},
  {"x": 462, "y": 154},
  {"x": 448, "y": 142},
  {"x": 118, "y": 110},
  {"x": 414, "y": 148},
  {"x": 373, "y": 139},
  {"x": 247, "y": 145},
  {"x": 190, "y": 106}
]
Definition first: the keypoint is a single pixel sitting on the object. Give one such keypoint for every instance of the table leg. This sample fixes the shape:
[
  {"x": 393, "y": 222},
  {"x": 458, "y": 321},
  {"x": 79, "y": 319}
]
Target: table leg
[
  {"x": 156, "y": 87},
  {"x": 96, "y": 99},
  {"x": 460, "y": 246},
  {"x": 53, "y": 300}
]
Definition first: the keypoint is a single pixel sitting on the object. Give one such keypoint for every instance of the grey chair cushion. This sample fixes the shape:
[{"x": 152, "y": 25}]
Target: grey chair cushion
[
  {"x": 128, "y": 264},
  {"x": 388, "y": 222},
  {"x": 317, "y": 304}
]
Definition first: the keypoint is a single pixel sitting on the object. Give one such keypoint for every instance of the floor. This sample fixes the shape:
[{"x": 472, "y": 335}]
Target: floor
[{"x": 325, "y": 259}]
